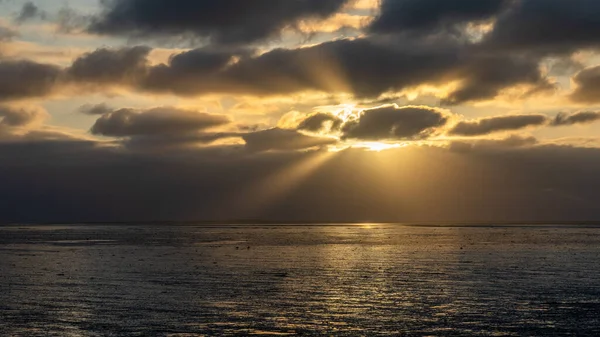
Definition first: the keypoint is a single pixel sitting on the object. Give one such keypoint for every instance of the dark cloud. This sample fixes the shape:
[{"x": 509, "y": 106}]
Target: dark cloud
[
  {"x": 192, "y": 72},
  {"x": 157, "y": 121},
  {"x": 95, "y": 109},
  {"x": 508, "y": 143},
  {"x": 361, "y": 66},
  {"x": 7, "y": 34},
  {"x": 74, "y": 181},
  {"x": 224, "y": 21},
  {"x": 158, "y": 129},
  {"x": 18, "y": 117},
  {"x": 283, "y": 140},
  {"x": 539, "y": 27},
  {"x": 397, "y": 16},
  {"x": 30, "y": 11},
  {"x": 70, "y": 21},
  {"x": 392, "y": 122},
  {"x": 110, "y": 66},
  {"x": 21, "y": 79},
  {"x": 547, "y": 26},
  {"x": 489, "y": 125},
  {"x": 366, "y": 67},
  {"x": 486, "y": 77},
  {"x": 319, "y": 121},
  {"x": 24, "y": 79},
  {"x": 588, "y": 86},
  {"x": 581, "y": 117},
  {"x": 174, "y": 142}
]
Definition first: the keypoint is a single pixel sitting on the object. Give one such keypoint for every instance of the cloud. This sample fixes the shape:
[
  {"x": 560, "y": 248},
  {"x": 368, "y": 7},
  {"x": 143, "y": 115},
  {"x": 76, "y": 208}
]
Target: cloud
[
  {"x": 167, "y": 128},
  {"x": 587, "y": 84},
  {"x": 321, "y": 121},
  {"x": 538, "y": 26},
  {"x": 490, "y": 125},
  {"x": 157, "y": 121},
  {"x": 25, "y": 79},
  {"x": 75, "y": 181},
  {"x": 283, "y": 140},
  {"x": 20, "y": 117},
  {"x": 20, "y": 79},
  {"x": 7, "y": 34},
  {"x": 486, "y": 145},
  {"x": 95, "y": 109},
  {"x": 225, "y": 21},
  {"x": 581, "y": 117},
  {"x": 177, "y": 142},
  {"x": 397, "y": 16},
  {"x": 110, "y": 66},
  {"x": 393, "y": 122},
  {"x": 30, "y": 11},
  {"x": 365, "y": 67},
  {"x": 21, "y": 122},
  {"x": 487, "y": 76},
  {"x": 547, "y": 26},
  {"x": 192, "y": 72},
  {"x": 70, "y": 21}
]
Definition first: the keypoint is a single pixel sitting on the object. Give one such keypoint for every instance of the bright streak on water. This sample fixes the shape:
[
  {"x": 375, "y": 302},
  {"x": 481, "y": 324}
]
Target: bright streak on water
[{"x": 125, "y": 280}]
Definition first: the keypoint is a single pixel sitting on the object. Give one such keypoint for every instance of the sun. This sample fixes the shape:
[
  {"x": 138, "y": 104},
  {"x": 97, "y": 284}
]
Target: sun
[
  {"x": 378, "y": 146},
  {"x": 349, "y": 112},
  {"x": 367, "y": 146}
]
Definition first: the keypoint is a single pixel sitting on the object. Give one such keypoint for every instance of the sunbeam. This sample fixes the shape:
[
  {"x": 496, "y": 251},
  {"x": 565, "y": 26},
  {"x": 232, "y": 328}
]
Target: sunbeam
[{"x": 262, "y": 194}]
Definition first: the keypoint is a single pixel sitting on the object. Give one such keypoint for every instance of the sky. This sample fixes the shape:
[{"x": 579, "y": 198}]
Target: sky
[{"x": 305, "y": 110}]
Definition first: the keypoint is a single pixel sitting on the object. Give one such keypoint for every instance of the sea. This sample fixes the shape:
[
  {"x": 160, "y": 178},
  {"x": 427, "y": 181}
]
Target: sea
[{"x": 312, "y": 280}]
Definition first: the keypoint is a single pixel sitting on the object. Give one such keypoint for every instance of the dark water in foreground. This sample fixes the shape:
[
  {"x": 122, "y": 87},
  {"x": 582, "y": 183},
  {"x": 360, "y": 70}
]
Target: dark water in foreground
[{"x": 313, "y": 280}]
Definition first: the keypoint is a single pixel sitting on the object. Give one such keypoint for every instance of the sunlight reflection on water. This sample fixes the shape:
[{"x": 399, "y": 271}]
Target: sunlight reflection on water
[{"x": 343, "y": 280}]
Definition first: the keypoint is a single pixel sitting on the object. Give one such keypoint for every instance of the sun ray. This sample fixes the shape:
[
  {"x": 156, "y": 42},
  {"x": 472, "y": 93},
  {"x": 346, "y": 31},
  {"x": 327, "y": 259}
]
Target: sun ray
[{"x": 260, "y": 195}]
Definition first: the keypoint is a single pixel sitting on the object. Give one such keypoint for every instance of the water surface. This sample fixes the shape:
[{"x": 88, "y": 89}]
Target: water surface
[{"x": 151, "y": 280}]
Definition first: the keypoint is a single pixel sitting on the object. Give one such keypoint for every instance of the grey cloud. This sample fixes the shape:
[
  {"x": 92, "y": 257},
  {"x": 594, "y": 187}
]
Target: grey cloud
[
  {"x": 174, "y": 142},
  {"x": 366, "y": 67},
  {"x": 224, "y": 21},
  {"x": 489, "y": 125},
  {"x": 318, "y": 121},
  {"x": 157, "y": 121},
  {"x": 418, "y": 16},
  {"x": 540, "y": 27},
  {"x": 95, "y": 109},
  {"x": 24, "y": 79},
  {"x": 30, "y": 11},
  {"x": 21, "y": 79},
  {"x": 191, "y": 72},
  {"x": 547, "y": 26},
  {"x": 588, "y": 86},
  {"x": 283, "y": 140},
  {"x": 486, "y": 145},
  {"x": 485, "y": 77},
  {"x": 74, "y": 181},
  {"x": 70, "y": 21},
  {"x": 110, "y": 66},
  {"x": 18, "y": 117},
  {"x": 392, "y": 122},
  {"x": 7, "y": 34},
  {"x": 581, "y": 117}
]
